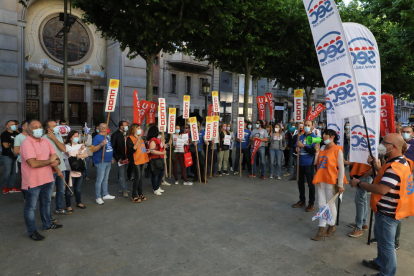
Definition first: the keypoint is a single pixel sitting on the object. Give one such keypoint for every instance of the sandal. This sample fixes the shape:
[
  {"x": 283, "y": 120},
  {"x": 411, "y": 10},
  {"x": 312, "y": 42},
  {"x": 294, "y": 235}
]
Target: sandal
[
  {"x": 82, "y": 207},
  {"x": 136, "y": 199},
  {"x": 142, "y": 197},
  {"x": 70, "y": 211}
]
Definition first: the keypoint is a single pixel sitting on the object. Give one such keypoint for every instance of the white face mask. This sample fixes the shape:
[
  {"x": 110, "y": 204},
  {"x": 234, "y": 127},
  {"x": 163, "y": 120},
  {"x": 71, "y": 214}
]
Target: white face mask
[
  {"x": 276, "y": 130},
  {"x": 383, "y": 150},
  {"x": 327, "y": 141}
]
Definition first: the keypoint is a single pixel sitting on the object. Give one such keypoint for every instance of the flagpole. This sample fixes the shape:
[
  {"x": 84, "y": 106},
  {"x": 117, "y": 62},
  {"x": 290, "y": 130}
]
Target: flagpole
[{"x": 106, "y": 133}]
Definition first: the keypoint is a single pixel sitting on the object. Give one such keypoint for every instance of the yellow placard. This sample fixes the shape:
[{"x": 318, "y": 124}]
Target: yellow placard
[
  {"x": 216, "y": 118},
  {"x": 113, "y": 83},
  {"x": 193, "y": 120},
  {"x": 209, "y": 119},
  {"x": 214, "y": 93},
  {"x": 172, "y": 110},
  {"x": 298, "y": 93},
  {"x": 186, "y": 98}
]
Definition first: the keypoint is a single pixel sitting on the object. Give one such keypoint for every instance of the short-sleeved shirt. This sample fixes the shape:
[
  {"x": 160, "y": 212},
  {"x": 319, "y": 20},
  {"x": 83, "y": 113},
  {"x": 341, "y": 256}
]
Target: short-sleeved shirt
[
  {"x": 245, "y": 140},
  {"x": 261, "y": 134},
  {"x": 97, "y": 155},
  {"x": 8, "y": 137},
  {"x": 41, "y": 150},
  {"x": 18, "y": 142},
  {"x": 305, "y": 159},
  {"x": 62, "y": 165}
]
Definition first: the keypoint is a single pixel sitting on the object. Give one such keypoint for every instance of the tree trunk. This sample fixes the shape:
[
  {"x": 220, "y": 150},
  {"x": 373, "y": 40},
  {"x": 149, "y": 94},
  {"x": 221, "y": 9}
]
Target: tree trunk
[
  {"x": 246, "y": 90},
  {"x": 149, "y": 70}
]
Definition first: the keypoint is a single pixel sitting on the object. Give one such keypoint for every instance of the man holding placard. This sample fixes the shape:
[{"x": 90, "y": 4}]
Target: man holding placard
[{"x": 244, "y": 143}]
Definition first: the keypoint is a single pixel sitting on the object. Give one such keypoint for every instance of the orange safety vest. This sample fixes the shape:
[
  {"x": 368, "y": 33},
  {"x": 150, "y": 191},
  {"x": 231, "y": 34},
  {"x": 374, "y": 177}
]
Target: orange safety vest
[
  {"x": 140, "y": 155},
  {"x": 328, "y": 166},
  {"x": 405, "y": 207},
  {"x": 359, "y": 169}
]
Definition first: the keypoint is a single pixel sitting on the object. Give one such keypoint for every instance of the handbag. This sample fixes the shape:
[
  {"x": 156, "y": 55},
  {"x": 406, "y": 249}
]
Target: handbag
[
  {"x": 188, "y": 159},
  {"x": 156, "y": 165},
  {"x": 77, "y": 164}
]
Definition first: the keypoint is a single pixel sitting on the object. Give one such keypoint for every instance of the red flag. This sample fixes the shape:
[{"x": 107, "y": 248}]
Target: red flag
[
  {"x": 313, "y": 114},
  {"x": 387, "y": 115},
  {"x": 269, "y": 97},
  {"x": 151, "y": 113},
  {"x": 145, "y": 107},
  {"x": 261, "y": 101},
  {"x": 256, "y": 145},
  {"x": 136, "y": 108}
]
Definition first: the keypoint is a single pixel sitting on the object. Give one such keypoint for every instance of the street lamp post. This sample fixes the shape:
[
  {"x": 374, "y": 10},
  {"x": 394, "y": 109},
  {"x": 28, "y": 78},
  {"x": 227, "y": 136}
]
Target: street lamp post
[{"x": 206, "y": 91}]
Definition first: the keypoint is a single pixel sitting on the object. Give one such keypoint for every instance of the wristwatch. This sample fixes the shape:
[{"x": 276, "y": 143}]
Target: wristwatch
[{"x": 359, "y": 184}]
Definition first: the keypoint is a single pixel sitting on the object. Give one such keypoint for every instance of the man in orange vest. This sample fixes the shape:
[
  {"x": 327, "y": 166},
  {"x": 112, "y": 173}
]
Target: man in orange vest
[{"x": 392, "y": 199}]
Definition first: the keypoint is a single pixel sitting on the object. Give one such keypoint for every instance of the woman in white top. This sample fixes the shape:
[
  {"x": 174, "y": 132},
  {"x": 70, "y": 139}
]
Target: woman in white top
[
  {"x": 74, "y": 148},
  {"x": 178, "y": 157}
]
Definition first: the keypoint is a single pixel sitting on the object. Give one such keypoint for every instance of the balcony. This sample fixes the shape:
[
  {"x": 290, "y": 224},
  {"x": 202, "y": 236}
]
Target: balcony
[{"x": 187, "y": 63}]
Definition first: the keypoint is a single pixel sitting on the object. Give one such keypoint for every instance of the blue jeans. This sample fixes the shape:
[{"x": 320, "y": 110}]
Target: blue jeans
[
  {"x": 42, "y": 193},
  {"x": 276, "y": 153},
  {"x": 76, "y": 188},
  {"x": 60, "y": 188},
  {"x": 384, "y": 230},
  {"x": 85, "y": 173},
  {"x": 361, "y": 204},
  {"x": 156, "y": 179},
  {"x": 122, "y": 170},
  {"x": 9, "y": 176},
  {"x": 261, "y": 151},
  {"x": 101, "y": 183},
  {"x": 346, "y": 151}
]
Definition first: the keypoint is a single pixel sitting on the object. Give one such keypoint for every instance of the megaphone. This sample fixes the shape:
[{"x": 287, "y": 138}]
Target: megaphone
[{"x": 313, "y": 140}]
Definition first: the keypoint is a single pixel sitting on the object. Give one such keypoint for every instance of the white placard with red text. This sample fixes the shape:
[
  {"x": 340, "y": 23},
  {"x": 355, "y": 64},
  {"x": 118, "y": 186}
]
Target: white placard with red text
[
  {"x": 172, "y": 116},
  {"x": 216, "y": 103},
  {"x": 209, "y": 128},
  {"x": 186, "y": 107},
  {"x": 216, "y": 120},
  {"x": 193, "y": 129},
  {"x": 298, "y": 105},
  {"x": 162, "y": 115},
  {"x": 240, "y": 127},
  {"x": 112, "y": 95}
]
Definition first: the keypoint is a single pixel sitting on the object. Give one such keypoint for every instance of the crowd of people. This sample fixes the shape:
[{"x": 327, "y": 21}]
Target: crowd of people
[{"x": 52, "y": 165}]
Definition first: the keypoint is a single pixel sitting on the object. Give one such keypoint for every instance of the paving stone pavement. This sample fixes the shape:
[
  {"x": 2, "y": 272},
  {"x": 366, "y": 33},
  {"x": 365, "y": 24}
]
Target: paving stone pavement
[{"x": 231, "y": 226}]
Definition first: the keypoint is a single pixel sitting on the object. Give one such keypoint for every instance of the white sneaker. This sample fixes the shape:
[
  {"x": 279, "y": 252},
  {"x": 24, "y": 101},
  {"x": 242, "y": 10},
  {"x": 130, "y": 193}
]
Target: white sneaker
[
  {"x": 161, "y": 190},
  {"x": 236, "y": 173},
  {"x": 278, "y": 177},
  {"x": 54, "y": 195},
  {"x": 176, "y": 182},
  {"x": 108, "y": 197},
  {"x": 188, "y": 183},
  {"x": 271, "y": 176},
  {"x": 165, "y": 183},
  {"x": 99, "y": 201},
  {"x": 156, "y": 192},
  {"x": 231, "y": 169}
]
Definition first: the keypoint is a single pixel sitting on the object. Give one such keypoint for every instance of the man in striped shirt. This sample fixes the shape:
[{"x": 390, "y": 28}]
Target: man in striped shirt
[{"x": 391, "y": 179}]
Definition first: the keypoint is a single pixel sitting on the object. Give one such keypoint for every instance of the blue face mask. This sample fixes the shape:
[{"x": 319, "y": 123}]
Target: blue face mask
[
  {"x": 249, "y": 126},
  {"x": 257, "y": 125},
  {"x": 56, "y": 130},
  {"x": 13, "y": 128},
  {"x": 406, "y": 136},
  {"x": 97, "y": 131},
  {"x": 307, "y": 129},
  {"x": 37, "y": 132},
  {"x": 346, "y": 127},
  {"x": 125, "y": 128},
  {"x": 139, "y": 131},
  {"x": 75, "y": 140},
  {"x": 177, "y": 131}
]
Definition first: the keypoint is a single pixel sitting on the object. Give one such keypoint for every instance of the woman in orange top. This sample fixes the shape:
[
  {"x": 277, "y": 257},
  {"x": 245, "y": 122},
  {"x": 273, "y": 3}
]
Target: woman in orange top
[
  {"x": 330, "y": 171},
  {"x": 137, "y": 155}
]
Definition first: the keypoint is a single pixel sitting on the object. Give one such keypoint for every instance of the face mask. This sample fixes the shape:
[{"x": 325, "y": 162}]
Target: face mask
[
  {"x": 346, "y": 127},
  {"x": 97, "y": 131},
  {"x": 13, "y": 128},
  {"x": 276, "y": 130},
  {"x": 56, "y": 130},
  {"x": 228, "y": 128},
  {"x": 139, "y": 131},
  {"x": 383, "y": 150},
  {"x": 406, "y": 136},
  {"x": 249, "y": 126},
  {"x": 75, "y": 140},
  {"x": 257, "y": 125},
  {"x": 57, "y": 124},
  {"x": 327, "y": 141},
  {"x": 224, "y": 128},
  {"x": 307, "y": 129},
  {"x": 320, "y": 127},
  {"x": 125, "y": 128},
  {"x": 177, "y": 131},
  {"x": 37, "y": 132}
]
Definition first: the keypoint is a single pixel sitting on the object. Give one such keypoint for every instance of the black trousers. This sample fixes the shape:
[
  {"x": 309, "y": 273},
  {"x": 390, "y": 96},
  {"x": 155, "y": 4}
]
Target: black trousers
[
  {"x": 308, "y": 172},
  {"x": 138, "y": 178}
]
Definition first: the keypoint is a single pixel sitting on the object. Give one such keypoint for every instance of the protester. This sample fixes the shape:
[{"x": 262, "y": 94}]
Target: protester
[
  {"x": 38, "y": 162},
  {"x": 118, "y": 141},
  {"x": 292, "y": 152},
  {"x": 260, "y": 133},
  {"x": 103, "y": 167},
  {"x": 391, "y": 200},
  {"x": 231, "y": 147},
  {"x": 245, "y": 141},
  {"x": 306, "y": 156},
  {"x": 78, "y": 150},
  {"x": 137, "y": 156},
  {"x": 157, "y": 155},
  {"x": 201, "y": 155},
  {"x": 223, "y": 150},
  {"x": 212, "y": 154},
  {"x": 277, "y": 145},
  {"x": 331, "y": 171},
  {"x": 347, "y": 141},
  {"x": 178, "y": 157},
  {"x": 9, "y": 158},
  {"x": 88, "y": 143},
  {"x": 17, "y": 143}
]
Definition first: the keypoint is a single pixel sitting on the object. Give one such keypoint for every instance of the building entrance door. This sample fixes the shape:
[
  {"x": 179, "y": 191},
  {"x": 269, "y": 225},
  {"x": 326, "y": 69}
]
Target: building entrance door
[{"x": 78, "y": 110}]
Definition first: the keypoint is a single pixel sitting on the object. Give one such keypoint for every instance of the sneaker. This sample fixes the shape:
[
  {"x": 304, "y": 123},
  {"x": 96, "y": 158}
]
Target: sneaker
[
  {"x": 220, "y": 173},
  {"x": 364, "y": 227},
  {"x": 15, "y": 190},
  {"x": 231, "y": 169},
  {"x": 226, "y": 173},
  {"x": 236, "y": 173},
  {"x": 371, "y": 264},
  {"x": 36, "y": 236},
  {"x": 353, "y": 225},
  {"x": 374, "y": 240},
  {"x": 310, "y": 208},
  {"x": 165, "y": 183},
  {"x": 263, "y": 177},
  {"x": 299, "y": 204},
  {"x": 53, "y": 194},
  {"x": 99, "y": 201},
  {"x": 5, "y": 190},
  {"x": 54, "y": 220},
  {"x": 278, "y": 177},
  {"x": 108, "y": 196},
  {"x": 156, "y": 192},
  {"x": 130, "y": 179},
  {"x": 286, "y": 174},
  {"x": 271, "y": 176},
  {"x": 53, "y": 227},
  {"x": 188, "y": 183},
  {"x": 397, "y": 246},
  {"x": 292, "y": 179},
  {"x": 125, "y": 194},
  {"x": 63, "y": 212},
  {"x": 356, "y": 233},
  {"x": 176, "y": 182},
  {"x": 161, "y": 190},
  {"x": 252, "y": 175}
]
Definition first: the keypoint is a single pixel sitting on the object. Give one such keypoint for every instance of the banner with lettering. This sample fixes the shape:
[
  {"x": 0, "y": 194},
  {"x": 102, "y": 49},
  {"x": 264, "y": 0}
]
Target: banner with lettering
[
  {"x": 240, "y": 127},
  {"x": 216, "y": 103},
  {"x": 269, "y": 97},
  {"x": 216, "y": 120},
  {"x": 256, "y": 145},
  {"x": 209, "y": 128},
  {"x": 366, "y": 63},
  {"x": 112, "y": 95},
  {"x": 210, "y": 111},
  {"x": 333, "y": 123},
  {"x": 298, "y": 105},
  {"x": 172, "y": 116},
  {"x": 136, "y": 107},
  {"x": 162, "y": 115},
  {"x": 186, "y": 107},
  {"x": 152, "y": 107},
  {"x": 261, "y": 105},
  {"x": 194, "y": 129},
  {"x": 387, "y": 115},
  {"x": 145, "y": 108},
  {"x": 313, "y": 114},
  {"x": 334, "y": 57}
]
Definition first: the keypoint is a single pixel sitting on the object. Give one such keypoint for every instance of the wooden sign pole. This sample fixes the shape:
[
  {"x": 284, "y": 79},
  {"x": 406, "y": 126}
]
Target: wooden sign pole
[
  {"x": 165, "y": 160},
  {"x": 240, "y": 160},
  {"x": 107, "y": 127},
  {"x": 297, "y": 154},
  {"x": 171, "y": 139},
  {"x": 212, "y": 157},
  {"x": 205, "y": 170},
  {"x": 198, "y": 164}
]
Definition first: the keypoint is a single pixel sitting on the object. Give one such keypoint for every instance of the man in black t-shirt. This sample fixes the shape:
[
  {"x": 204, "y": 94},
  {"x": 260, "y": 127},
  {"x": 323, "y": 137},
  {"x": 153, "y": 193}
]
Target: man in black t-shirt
[{"x": 9, "y": 159}]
